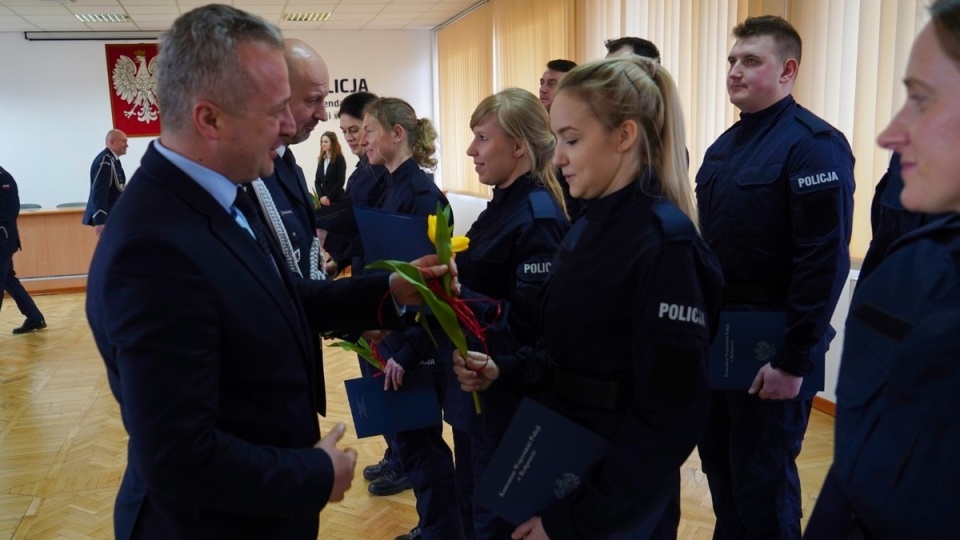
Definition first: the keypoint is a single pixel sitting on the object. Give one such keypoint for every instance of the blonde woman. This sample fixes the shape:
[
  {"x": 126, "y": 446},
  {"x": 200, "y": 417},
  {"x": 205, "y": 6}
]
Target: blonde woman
[{"x": 618, "y": 357}]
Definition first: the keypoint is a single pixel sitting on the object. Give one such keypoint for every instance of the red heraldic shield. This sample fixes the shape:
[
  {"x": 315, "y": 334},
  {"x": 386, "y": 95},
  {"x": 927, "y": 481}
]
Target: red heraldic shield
[{"x": 132, "y": 76}]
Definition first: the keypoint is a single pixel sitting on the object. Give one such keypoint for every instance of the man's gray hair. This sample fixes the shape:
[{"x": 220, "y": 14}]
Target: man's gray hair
[{"x": 198, "y": 59}]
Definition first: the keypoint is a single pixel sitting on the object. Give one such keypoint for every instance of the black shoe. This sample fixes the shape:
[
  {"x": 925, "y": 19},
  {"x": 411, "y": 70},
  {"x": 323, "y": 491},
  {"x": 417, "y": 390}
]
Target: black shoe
[
  {"x": 412, "y": 535},
  {"x": 30, "y": 327},
  {"x": 372, "y": 472},
  {"x": 389, "y": 483}
]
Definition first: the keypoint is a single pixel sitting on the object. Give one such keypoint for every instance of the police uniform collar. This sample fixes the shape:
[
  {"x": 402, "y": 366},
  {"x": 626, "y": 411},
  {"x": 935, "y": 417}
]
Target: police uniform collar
[
  {"x": 407, "y": 168},
  {"x": 751, "y": 121},
  {"x": 605, "y": 208},
  {"x": 521, "y": 184}
]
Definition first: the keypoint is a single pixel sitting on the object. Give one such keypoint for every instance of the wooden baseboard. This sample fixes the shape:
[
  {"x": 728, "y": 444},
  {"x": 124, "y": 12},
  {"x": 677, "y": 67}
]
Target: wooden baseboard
[
  {"x": 825, "y": 406},
  {"x": 61, "y": 290}
]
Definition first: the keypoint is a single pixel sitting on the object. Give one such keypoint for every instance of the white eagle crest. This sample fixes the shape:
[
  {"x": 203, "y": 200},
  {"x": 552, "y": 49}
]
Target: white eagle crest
[{"x": 137, "y": 86}]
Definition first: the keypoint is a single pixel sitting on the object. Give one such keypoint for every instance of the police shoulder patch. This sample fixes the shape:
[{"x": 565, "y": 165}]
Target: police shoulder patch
[
  {"x": 534, "y": 269},
  {"x": 818, "y": 180}
]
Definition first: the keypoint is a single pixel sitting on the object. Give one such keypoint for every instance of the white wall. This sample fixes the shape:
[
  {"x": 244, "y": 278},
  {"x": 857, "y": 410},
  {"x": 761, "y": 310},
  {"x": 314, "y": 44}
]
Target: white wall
[
  {"x": 55, "y": 108},
  {"x": 836, "y": 346}
]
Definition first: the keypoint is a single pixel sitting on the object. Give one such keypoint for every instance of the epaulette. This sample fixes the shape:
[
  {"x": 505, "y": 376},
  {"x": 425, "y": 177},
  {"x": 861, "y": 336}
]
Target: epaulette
[
  {"x": 814, "y": 123},
  {"x": 542, "y": 205},
  {"x": 676, "y": 225}
]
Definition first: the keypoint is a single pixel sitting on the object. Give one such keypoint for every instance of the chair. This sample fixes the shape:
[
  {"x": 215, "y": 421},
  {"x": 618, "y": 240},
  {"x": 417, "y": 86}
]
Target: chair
[
  {"x": 72, "y": 205},
  {"x": 29, "y": 206}
]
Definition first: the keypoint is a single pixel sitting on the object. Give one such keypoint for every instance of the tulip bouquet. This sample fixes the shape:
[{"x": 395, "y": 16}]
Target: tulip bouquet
[{"x": 452, "y": 313}]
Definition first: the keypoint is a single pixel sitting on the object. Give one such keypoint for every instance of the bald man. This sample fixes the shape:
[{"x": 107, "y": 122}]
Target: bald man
[
  {"x": 285, "y": 203},
  {"x": 106, "y": 181}
]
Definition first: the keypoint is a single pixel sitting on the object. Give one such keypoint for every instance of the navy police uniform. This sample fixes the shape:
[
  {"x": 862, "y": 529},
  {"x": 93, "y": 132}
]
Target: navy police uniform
[
  {"x": 425, "y": 456},
  {"x": 889, "y": 220},
  {"x": 895, "y": 471},
  {"x": 512, "y": 244},
  {"x": 775, "y": 194},
  {"x": 364, "y": 188},
  {"x": 288, "y": 190},
  {"x": 10, "y": 244},
  {"x": 106, "y": 184},
  {"x": 627, "y": 317}
]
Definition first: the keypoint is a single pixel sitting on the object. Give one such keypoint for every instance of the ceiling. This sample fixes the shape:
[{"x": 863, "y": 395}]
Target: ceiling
[{"x": 154, "y": 15}]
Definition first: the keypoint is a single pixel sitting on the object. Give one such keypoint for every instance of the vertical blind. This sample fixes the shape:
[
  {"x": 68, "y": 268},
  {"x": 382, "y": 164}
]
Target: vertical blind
[{"x": 854, "y": 57}]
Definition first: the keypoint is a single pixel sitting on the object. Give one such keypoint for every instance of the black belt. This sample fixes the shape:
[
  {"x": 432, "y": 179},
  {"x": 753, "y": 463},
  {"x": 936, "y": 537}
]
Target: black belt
[
  {"x": 755, "y": 293},
  {"x": 610, "y": 395}
]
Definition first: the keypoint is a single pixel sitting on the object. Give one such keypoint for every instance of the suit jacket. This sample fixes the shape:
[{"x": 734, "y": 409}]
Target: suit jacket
[
  {"x": 106, "y": 184},
  {"x": 9, "y": 210},
  {"x": 209, "y": 353},
  {"x": 330, "y": 184}
]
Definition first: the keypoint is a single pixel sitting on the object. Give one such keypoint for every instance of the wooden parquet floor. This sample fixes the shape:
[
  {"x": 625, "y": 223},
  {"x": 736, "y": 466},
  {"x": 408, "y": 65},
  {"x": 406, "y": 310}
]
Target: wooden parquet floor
[{"x": 63, "y": 448}]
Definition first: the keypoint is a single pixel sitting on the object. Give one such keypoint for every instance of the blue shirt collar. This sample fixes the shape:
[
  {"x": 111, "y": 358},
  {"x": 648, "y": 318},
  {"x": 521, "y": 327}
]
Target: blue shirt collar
[{"x": 218, "y": 186}]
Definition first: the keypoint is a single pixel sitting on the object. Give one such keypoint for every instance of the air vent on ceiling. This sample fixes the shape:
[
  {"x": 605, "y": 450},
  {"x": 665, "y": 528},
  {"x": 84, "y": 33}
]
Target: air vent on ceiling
[
  {"x": 305, "y": 17},
  {"x": 103, "y": 17}
]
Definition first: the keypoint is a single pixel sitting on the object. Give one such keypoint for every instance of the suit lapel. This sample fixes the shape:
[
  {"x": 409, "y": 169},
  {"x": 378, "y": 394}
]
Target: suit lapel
[{"x": 226, "y": 230}]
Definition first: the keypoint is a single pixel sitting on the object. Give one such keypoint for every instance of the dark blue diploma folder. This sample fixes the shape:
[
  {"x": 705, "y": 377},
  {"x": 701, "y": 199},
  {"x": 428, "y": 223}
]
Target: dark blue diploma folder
[
  {"x": 542, "y": 457},
  {"x": 746, "y": 340},
  {"x": 391, "y": 236},
  {"x": 377, "y": 411}
]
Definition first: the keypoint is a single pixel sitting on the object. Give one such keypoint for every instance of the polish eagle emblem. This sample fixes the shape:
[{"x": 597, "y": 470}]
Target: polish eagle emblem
[{"x": 135, "y": 82}]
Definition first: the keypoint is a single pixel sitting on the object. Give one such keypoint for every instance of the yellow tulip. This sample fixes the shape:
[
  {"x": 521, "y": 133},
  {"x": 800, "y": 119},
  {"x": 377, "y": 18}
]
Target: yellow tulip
[
  {"x": 460, "y": 243},
  {"x": 432, "y": 228}
]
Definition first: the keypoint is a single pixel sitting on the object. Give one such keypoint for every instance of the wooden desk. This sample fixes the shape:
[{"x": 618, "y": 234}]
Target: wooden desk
[{"x": 57, "y": 249}]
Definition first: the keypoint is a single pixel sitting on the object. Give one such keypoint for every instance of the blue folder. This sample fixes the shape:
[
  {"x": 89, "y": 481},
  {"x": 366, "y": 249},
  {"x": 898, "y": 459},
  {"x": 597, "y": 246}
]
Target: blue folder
[
  {"x": 543, "y": 457},
  {"x": 377, "y": 411},
  {"x": 746, "y": 340},
  {"x": 392, "y": 236}
]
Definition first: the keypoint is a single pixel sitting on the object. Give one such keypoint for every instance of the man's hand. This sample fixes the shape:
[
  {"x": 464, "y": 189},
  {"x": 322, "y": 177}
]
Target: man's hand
[
  {"x": 475, "y": 373},
  {"x": 325, "y": 201},
  {"x": 344, "y": 462},
  {"x": 773, "y": 383},
  {"x": 405, "y": 293},
  {"x": 98, "y": 229},
  {"x": 531, "y": 529},
  {"x": 393, "y": 374}
]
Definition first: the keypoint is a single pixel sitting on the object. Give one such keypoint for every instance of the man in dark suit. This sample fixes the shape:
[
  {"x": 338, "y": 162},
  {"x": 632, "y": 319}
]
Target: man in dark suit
[
  {"x": 106, "y": 181},
  {"x": 9, "y": 244},
  {"x": 205, "y": 334}
]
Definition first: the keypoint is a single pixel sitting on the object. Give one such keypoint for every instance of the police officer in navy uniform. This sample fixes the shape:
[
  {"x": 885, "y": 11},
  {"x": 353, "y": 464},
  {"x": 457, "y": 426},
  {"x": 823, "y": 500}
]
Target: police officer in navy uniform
[
  {"x": 106, "y": 181},
  {"x": 775, "y": 198},
  {"x": 10, "y": 244},
  {"x": 629, "y": 307},
  {"x": 894, "y": 474},
  {"x": 512, "y": 244},
  {"x": 889, "y": 220},
  {"x": 287, "y": 187},
  {"x": 396, "y": 138},
  {"x": 548, "y": 88},
  {"x": 364, "y": 188}
]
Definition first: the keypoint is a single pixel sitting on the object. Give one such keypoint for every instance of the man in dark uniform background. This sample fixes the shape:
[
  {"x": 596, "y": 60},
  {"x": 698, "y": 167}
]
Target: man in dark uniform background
[
  {"x": 106, "y": 181},
  {"x": 285, "y": 204},
  {"x": 9, "y": 244},
  {"x": 775, "y": 194},
  {"x": 889, "y": 220},
  {"x": 632, "y": 45},
  {"x": 548, "y": 88}
]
